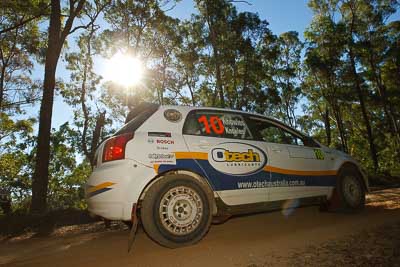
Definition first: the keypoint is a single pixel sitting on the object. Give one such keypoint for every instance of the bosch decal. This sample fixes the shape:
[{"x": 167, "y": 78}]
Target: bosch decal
[{"x": 165, "y": 142}]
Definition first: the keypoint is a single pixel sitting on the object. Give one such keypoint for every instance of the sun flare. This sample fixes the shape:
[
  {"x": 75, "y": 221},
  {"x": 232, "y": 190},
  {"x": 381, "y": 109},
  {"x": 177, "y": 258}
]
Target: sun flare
[{"x": 124, "y": 69}]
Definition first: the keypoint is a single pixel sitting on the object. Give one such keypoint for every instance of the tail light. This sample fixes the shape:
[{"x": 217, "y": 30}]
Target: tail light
[{"x": 114, "y": 148}]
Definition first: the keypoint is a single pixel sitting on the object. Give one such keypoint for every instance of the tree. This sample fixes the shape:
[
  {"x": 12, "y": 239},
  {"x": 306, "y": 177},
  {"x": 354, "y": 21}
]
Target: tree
[
  {"x": 19, "y": 42},
  {"x": 233, "y": 72},
  {"x": 323, "y": 61},
  {"x": 188, "y": 62},
  {"x": 56, "y": 39},
  {"x": 18, "y": 13},
  {"x": 89, "y": 116},
  {"x": 215, "y": 15},
  {"x": 16, "y": 142},
  {"x": 349, "y": 11},
  {"x": 288, "y": 75}
]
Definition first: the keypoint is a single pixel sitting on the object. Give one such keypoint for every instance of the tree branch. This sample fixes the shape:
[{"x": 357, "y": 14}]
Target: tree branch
[
  {"x": 92, "y": 19},
  {"x": 240, "y": 1},
  {"x": 21, "y": 23}
]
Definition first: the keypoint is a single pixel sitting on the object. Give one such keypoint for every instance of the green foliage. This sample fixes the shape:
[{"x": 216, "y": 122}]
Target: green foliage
[
  {"x": 20, "y": 42},
  {"x": 15, "y": 160},
  {"x": 67, "y": 176}
]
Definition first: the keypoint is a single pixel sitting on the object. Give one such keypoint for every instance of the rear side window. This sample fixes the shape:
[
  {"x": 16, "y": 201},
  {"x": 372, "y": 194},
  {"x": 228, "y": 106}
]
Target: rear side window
[
  {"x": 137, "y": 117},
  {"x": 217, "y": 124}
]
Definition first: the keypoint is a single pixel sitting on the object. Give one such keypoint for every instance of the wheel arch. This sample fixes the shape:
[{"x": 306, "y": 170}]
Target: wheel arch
[
  {"x": 201, "y": 179},
  {"x": 357, "y": 168}
]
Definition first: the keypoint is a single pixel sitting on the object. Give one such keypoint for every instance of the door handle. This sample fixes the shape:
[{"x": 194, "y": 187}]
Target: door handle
[
  {"x": 204, "y": 146},
  {"x": 276, "y": 149}
]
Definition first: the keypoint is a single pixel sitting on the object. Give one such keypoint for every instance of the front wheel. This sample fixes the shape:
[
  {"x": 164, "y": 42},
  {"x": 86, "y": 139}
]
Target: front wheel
[
  {"x": 350, "y": 190},
  {"x": 176, "y": 211}
]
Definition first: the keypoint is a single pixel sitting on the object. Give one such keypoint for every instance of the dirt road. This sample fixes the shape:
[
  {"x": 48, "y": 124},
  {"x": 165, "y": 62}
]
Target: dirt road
[{"x": 243, "y": 241}]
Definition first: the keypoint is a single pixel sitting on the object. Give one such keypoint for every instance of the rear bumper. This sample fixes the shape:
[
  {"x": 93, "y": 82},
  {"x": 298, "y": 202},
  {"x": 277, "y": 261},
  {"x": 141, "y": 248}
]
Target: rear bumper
[
  {"x": 110, "y": 210},
  {"x": 114, "y": 187}
]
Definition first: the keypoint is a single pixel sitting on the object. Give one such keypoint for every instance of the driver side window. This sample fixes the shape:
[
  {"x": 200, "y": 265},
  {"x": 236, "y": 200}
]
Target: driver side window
[{"x": 271, "y": 133}]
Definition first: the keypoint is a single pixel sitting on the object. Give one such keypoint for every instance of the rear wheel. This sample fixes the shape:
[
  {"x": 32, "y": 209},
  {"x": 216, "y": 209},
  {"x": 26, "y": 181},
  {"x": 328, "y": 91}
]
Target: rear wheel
[{"x": 176, "y": 211}]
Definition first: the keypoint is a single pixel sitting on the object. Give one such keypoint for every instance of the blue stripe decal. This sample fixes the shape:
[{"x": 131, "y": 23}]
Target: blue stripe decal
[
  {"x": 99, "y": 191},
  {"x": 221, "y": 181}
]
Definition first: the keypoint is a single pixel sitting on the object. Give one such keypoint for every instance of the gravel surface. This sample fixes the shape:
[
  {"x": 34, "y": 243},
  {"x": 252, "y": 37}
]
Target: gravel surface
[
  {"x": 305, "y": 237},
  {"x": 377, "y": 247}
]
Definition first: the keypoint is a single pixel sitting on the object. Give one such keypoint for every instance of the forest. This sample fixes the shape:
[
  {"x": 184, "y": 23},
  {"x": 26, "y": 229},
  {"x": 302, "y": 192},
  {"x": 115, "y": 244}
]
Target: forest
[{"x": 339, "y": 83}]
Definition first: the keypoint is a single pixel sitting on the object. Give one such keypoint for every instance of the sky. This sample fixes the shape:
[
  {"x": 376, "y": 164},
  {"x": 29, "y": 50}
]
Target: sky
[{"x": 282, "y": 15}]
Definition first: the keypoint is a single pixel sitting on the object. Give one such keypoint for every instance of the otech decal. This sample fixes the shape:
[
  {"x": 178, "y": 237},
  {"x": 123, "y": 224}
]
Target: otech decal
[
  {"x": 237, "y": 158},
  {"x": 220, "y": 155}
]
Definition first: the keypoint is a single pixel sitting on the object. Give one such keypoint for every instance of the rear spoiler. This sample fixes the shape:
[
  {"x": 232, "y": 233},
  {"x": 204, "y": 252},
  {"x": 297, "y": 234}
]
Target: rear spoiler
[{"x": 139, "y": 109}]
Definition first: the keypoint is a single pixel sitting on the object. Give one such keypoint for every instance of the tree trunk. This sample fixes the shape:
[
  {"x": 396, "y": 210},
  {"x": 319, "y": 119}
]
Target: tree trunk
[
  {"x": 386, "y": 104},
  {"x": 2, "y": 76},
  {"x": 219, "y": 79},
  {"x": 188, "y": 84},
  {"x": 339, "y": 123},
  {"x": 370, "y": 136},
  {"x": 41, "y": 174},
  {"x": 56, "y": 39},
  {"x": 83, "y": 102},
  {"x": 218, "y": 76},
  {"x": 327, "y": 123},
  {"x": 100, "y": 121}
]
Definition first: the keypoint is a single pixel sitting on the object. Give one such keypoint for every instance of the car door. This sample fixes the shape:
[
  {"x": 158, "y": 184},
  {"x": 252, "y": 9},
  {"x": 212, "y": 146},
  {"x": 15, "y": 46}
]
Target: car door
[
  {"x": 222, "y": 145},
  {"x": 298, "y": 166}
]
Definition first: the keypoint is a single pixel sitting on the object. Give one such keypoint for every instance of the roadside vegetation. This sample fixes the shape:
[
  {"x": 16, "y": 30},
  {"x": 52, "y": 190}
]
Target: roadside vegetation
[{"x": 340, "y": 83}]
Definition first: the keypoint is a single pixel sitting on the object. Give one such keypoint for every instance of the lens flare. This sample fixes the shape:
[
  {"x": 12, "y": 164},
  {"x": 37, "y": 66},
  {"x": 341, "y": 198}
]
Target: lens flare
[
  {"x": 290, "y": 206},
  {"x": 124, "y": 70}
]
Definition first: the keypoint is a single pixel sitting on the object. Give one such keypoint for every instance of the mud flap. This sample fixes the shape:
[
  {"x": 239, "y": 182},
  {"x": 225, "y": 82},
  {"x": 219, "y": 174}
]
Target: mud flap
[
  {"x": 132, "y": 233},
  {"x": 331, "y": 204}
]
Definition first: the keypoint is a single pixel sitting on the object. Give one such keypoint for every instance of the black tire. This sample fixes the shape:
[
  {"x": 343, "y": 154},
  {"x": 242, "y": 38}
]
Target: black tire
[
  {"x": 128, "y": 224},
  {"x": 350, "y": 190},
  {"x": 190, "y": 203}
]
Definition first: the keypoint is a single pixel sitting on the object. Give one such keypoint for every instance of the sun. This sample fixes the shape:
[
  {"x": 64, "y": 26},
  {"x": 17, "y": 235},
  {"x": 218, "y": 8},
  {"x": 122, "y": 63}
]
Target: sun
[{"x": 124, "y": 70}]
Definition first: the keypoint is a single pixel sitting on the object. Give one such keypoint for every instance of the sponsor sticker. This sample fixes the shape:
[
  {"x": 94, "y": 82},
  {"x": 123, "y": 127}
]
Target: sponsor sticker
[
  {"x": 159, "y": 134},
  {"x": 237, "y": 158},
  {"x": 229, "y": 125},
  {"x": 234, "y": 126},
  {"x": 160, "y": 141},
  {"x": 319, "y": 154},
  {"x": 162, "y": 158},
  {"x": 165, "y": 141},
  {"x": 172, "y": 115}
]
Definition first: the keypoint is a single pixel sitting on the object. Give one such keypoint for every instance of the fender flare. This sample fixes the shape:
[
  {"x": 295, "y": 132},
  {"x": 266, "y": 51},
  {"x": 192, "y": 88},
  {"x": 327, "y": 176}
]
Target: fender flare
[{"x": 352, "y": 165}]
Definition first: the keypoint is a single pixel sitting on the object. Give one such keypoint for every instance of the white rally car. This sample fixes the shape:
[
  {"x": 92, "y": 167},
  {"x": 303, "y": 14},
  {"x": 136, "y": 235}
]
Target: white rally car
[{"x": 180, "y": 167}]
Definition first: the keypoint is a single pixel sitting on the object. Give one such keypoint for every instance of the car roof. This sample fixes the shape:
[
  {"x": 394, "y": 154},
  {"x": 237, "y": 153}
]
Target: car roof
[
  {"x": 190, "y": 108},
  {"x": 187, "y": 109}
]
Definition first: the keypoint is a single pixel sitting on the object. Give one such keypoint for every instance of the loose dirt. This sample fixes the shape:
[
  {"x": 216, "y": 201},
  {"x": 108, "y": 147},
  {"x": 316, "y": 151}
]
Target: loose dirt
[{"x": 304, "y": 237}]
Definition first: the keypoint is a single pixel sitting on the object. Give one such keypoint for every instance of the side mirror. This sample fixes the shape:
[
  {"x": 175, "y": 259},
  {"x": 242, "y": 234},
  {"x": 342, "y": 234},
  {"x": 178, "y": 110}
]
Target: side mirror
[{"x": 310, "y": 142}]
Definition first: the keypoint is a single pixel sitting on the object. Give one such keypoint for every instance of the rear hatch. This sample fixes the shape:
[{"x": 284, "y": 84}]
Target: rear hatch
[{"x": 113, "y": 148}]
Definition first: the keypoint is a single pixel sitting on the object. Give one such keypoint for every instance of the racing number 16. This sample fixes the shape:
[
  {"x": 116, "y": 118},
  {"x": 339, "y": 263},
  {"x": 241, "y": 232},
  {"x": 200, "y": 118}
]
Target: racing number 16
[{"x": 214, "y": 121}]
